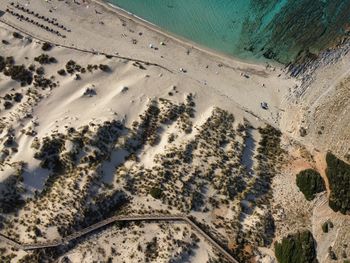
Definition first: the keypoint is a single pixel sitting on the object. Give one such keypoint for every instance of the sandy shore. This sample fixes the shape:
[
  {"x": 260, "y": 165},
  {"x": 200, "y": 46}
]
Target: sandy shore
[
  {"x": 183, "y": 41},
  {"x": 135, "y": 71},
  {"x": 99, "y": 27}
]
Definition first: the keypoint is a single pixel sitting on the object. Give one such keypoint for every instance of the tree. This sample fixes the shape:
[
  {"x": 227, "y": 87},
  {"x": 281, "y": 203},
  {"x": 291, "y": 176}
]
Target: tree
[
  {"x": 338, "y": 174},
  {"x": 296, "y": 248},
  {"x": 310, "y": 183}
]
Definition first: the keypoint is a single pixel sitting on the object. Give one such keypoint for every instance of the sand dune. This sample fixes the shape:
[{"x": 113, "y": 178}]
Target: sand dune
[{"x": 127, "y": 131}]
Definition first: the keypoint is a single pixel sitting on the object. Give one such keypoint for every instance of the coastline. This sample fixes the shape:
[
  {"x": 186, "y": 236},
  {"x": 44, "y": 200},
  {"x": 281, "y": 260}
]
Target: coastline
[
  {"x": 307, "y": 70},
  {"x": 181, "y": 40},
  {"x": 99, "y": 28},
  {"x": 123, "y": 103}
]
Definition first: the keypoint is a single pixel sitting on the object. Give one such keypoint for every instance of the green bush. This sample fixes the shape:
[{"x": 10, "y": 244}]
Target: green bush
[
  {"x": 61, "y": 72},
  {"x": 156, "y": 192},
  {"x": 338, "y": 174},
  {"x": 17, "y": 72},
  {"x": 310, "y": 183},
  {"x": 325, "y": 227},
  {"x": 17, "y": 35},
  {"x": 104, "y": 68},
  {"x": 45, "y": 59},
  {"x": 296, "y": 248},
  {"x": 46, "y": 46}
]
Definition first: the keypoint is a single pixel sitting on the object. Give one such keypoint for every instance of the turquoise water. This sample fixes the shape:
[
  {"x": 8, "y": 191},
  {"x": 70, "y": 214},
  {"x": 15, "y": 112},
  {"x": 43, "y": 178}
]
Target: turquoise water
[{"x": 249, "y": 29}]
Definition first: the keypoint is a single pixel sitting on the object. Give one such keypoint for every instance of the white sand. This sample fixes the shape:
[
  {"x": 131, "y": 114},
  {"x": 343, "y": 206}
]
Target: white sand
[{"x": 214, "y": 80}]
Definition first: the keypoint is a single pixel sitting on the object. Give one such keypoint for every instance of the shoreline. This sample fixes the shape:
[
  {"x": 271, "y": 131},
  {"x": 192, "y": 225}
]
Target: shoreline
[
  {"x": 231, "y": 79},
  {"x": 323, "y": 55},
  {"x": 184, "y": 41},
  {"x": 119, "y": 115}
]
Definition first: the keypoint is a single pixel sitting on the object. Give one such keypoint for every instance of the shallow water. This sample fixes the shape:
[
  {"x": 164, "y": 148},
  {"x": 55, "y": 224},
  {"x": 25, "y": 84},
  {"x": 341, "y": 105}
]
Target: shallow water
[{"x": 249, "y": 29}]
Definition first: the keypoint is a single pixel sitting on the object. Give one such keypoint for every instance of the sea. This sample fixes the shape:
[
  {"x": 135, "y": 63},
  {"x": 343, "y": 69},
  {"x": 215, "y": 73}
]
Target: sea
[{"x": 279, "y": 30}]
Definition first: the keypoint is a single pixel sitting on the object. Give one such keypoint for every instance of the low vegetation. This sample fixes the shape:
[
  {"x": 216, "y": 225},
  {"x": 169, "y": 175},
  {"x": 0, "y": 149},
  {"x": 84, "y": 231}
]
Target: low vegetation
[
  {"x": 49, "y": 152},
  {"x": 72, "y": 67},
  {"x": 200, "y": 170},
  {"x": 10, "y": 197},
  {"x": 61, "y": 72},
  {"x": 156, "y": 192},
  {"x": 326, "y": 226},
  {"x": 45, "y": 59},
  {"x": 17, "y": 35},
  {"x": 104, "y": 68},
  {"x": 46, "y": 46},
  {"x": 18, "y": 73},
  {"x": 42, "y": 82}
]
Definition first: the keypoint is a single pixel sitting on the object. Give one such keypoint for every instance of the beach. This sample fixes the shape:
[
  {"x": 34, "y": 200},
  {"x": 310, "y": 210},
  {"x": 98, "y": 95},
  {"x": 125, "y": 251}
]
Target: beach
[
  {"x": 222, "y": 74},
  {"x": 109, "y": 108}
]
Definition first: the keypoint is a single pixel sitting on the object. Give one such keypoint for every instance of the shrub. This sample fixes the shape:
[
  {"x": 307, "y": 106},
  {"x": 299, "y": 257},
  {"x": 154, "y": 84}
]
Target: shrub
[
  {"x": 296, "y": 248},
  {"x": 17, "y": 97},
  {"x": 325, "y": 227},
  {"x": 49, "y": 153},
  {"x": 19, "y": 73},
  {"x": 90, "y": 67},
  {"x": 9, "y": 61},
  {"x": 31, "y": 67},
  {"x": 104, "y": 68},
  {"x": 303, "y": 132},
  {"x": 72, "y": 67},
  {"x": 310, "y": 183},
  {"x": 156, "y": 192},
  {"x": 332, "y": 254},
  {"x": 61, "y": 72},
  {"x": 2, "y": 63},
  {"x": 52, "y": 60},
  {"x": 45, "y": 59},
  {"x": 17, "y": 35},
  {"x": 40, "y": 81},
  {"x": 46, "y": 46},
  {"x": 40, "y": 71},
  {"x": 8, "y": 105},
  {"x": 338, "y": 174}
]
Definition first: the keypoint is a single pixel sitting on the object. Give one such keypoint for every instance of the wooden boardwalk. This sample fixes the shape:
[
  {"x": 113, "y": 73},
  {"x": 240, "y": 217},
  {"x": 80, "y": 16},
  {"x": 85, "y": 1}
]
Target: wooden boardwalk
[{"x": 114, "y": 219}]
